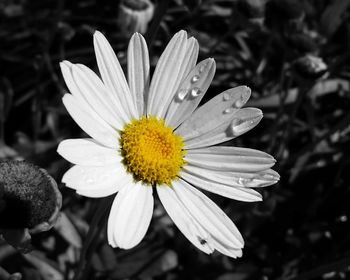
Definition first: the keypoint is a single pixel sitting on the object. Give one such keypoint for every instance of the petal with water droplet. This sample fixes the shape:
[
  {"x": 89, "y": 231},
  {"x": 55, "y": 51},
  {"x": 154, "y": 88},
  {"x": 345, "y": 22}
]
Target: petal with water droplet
[
  {"x": 237, "y": 193},
  {"x": 235, "y": 179},
  {"x": 96, "y": 181},
  {"x": 183, "y": 219},
  {"x": 230, "y": 159},
  {"x": 178, "y": 58},
  {"x": 242, "y": 120},
  {"x": 179, "y": 111},
  {"x": 211, "y": 114},
  {"x": 208, "y": 214}
]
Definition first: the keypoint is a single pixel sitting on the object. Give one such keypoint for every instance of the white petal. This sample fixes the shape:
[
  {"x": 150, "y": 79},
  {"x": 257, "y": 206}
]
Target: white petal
[
  {"x": 226, "y": 250},
  {"x": 229, "y": 191},
  {"x": 220, "y": 119},
  {"x": 99, "y": 191},
  {"x": 88, "y": 152},
  {"x": 91, "y": 122},
  {"x": 111, "y": 227},
  {"x": 66, "y": 69},
  {"x": 230, "y": 159},
  {"x": 131, "y": 214},
  {"x": 213, "y": 113},
  {"x": 192, "y": 55},
  {"x": 113, "y": 76},
  {"x": 173, "y": 65},
  {"x": 95, "y": 181},
  {"x": 209, "y": 215},
  {"x": 243, "y": 120},
  {"x": 88, "y": 89},
  {"x": 138, "y": 70},
  {"x": 183, "y": 219},
  {"x": 190, "y": 92},
  {"x": 97, "y": 96},
  {"x": 235, "y": 179}
]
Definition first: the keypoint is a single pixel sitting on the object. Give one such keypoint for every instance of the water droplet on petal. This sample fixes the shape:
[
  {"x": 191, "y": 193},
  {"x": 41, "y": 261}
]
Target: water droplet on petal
[
  {"x": 195, "y": 79},
  {"x": 241, "y": 181},
  {"x": 233, "y": 128},
  {"x": 227, "y": 96},
  {"x": 195, "y": 92},
  {"x": 246, "y": 182},
  {"x": 239, "y": 103},
  {"x": 181, "y": 95},
  {"x": 201, "y": 69},
  {"x": 228, "y": 110}
]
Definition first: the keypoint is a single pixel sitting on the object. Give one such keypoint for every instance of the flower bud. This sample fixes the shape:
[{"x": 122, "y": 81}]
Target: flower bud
[
  {"x": 134, "y": 16},
  {"x": 30, "y": 201},
  {"x": 310, "y": 67}
]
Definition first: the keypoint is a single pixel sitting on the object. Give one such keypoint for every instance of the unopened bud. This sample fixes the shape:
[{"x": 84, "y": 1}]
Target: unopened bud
[{"x": 134, "y": 16}]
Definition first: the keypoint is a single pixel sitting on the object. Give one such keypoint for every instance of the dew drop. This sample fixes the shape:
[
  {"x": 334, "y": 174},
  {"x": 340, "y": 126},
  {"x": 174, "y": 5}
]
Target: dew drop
[
  {"x": 228, "y": 110},
  {"x": 181, "y": 95},
  {"x": 195, "y": 79},
  {"x": 241, "y": 181},
  {"x": 239, "y": 103},
  {"x": 234, "y": 127},
  {"x": 201, "y": 69},
  {"x": 195, "y": 92},
  {"x": 227, "y": 96},
  {"x": 246, "y": 182}
]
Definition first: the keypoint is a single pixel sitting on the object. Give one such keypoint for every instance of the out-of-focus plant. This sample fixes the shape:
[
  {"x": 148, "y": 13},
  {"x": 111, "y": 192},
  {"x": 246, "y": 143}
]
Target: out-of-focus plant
[
  {"x": 134, "y": 16},
  {"x": 30, "y": 202}
]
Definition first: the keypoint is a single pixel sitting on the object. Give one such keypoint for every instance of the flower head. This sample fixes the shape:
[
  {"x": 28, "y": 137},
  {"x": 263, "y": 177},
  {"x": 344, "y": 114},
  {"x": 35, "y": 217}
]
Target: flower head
[
  {"x": 30, "y": 201},
  {"x": 151, "y": 135}
]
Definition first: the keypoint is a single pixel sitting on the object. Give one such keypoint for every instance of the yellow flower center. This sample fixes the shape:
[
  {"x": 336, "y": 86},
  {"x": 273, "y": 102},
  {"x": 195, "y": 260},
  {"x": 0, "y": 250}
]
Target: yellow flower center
[{"x": 151, "y": 151}]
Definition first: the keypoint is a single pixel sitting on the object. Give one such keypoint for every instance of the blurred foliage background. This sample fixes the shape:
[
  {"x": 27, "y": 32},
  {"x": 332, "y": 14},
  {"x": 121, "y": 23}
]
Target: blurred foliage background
[{"x": 293, "y": 54}]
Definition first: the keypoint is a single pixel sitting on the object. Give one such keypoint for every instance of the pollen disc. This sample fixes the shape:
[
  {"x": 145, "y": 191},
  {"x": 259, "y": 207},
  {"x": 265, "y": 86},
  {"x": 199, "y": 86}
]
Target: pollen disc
[{"x": 152, "y": 152}]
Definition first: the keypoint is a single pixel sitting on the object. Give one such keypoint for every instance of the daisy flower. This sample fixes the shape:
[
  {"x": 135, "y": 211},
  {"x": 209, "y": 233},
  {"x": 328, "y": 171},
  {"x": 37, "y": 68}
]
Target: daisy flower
[{"x": 150, "y": 136}]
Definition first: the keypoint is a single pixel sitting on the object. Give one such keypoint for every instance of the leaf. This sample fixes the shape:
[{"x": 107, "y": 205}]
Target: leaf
[
  {"x": 46, "y": 268},
  {"x": 68, "y": 231},
  {"x": 167, "y": 261},
  {"x": 333, "y": 16}
]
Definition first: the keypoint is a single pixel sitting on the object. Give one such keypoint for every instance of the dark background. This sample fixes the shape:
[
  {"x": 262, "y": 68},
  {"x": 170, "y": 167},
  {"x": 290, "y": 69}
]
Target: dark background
[{"x": 300, "y": 230}]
